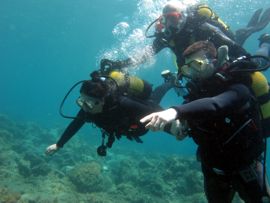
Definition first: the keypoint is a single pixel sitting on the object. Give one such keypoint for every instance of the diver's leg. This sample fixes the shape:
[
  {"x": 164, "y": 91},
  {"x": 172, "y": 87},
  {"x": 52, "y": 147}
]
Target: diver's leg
[
  {"x": 160, "y": 91},
  {"x": 217, "y": 187},
  {"x": 170, "y": 81},
  {"x": 253, "y": 190}
]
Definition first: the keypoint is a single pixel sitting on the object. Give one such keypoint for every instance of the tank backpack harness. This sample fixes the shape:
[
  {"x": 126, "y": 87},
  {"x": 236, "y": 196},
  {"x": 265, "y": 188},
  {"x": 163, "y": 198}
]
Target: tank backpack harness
[{"x": 245, "y": 67}]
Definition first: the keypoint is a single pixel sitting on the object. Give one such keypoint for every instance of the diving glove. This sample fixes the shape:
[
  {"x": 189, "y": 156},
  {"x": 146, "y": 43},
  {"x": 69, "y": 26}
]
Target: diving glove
[
  {"x": 177, "y": 128},
  {"x": 157, "y": 121},
  {"x": 51, "y": 149},
  {"x": 255, "y": 24}
]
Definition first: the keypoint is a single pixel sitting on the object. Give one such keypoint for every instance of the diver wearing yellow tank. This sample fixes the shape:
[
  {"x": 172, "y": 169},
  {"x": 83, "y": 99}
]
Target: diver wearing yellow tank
[{"x": 114, "y": 101}]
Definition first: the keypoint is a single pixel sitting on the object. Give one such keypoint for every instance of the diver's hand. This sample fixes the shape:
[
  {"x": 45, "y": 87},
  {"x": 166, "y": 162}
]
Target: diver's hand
[
  {"x": 51, "y": 149},
  {"x": 178, "y": 129},
  {"x": 157, "y": 121}
]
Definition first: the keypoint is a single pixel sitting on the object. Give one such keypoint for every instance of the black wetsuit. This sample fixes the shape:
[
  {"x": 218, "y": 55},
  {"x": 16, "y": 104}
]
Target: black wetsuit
[
  {"x": 118, "y": 118},
  {"x": 224, "y": 122}
]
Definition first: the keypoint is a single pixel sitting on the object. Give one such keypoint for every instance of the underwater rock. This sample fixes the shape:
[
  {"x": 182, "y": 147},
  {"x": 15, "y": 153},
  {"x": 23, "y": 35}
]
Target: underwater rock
[
  {"x": 9, "y": 196},
  {"x": 99, "y": 198},
  {"x": 38, "y": 166},
  {"x": 126, "y": 192},
  {"x": 6, "y": 123},
  {"x": 152, "y": 184},
  {"x": 145, "y": 163},
  {"x": 40, "y": 170},
  {"x": 124, "y": 171},
  {"x": 180, "y": 188},
  {"x": 23, "y": 167},
  {"x": 47, "y": 198},
  {"x": 6, "y": 140},
  {"x": 76, "y": 174},
  {"x": 196, "y": 198},
  {"x": 87, "y": 177},
  {"x": 194, "y": 182},
  {"x": 7, "y": 135}
]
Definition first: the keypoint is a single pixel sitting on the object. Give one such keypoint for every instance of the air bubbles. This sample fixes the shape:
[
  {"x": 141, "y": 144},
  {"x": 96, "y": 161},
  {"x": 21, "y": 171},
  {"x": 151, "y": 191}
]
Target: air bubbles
[{"x": 121, "y": 29}]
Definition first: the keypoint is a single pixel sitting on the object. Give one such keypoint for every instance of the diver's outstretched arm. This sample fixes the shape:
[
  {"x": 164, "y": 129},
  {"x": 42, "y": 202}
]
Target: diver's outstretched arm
[{"x": 255, "y": 24}]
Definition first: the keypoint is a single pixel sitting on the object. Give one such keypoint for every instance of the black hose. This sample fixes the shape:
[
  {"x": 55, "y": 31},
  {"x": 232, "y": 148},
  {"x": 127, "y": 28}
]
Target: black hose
[
  {"x": 71, "y": 89},
  {"x": 247, "y": 61},
  {"x": 147, "y": 29},
  {"x": 64, "y": 99}
]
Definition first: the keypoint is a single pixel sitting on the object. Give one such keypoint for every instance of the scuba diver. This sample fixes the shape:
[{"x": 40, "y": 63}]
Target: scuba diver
[
  {"x": 115, "y": 101},
  {"x": 180, "y": 26},
  {"x": 225, "y": 118}
]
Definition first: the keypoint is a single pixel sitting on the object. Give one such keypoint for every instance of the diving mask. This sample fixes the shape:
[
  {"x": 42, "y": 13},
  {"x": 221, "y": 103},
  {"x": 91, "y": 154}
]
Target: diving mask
[
  {"x": 171, "y": 20},
  {"x": 198, "y": 68},
  {"x": 90, "y": 104}
]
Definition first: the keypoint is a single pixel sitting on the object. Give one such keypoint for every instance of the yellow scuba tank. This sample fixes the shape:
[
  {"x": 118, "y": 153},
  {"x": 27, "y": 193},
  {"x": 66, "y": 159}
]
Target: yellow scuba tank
[
  {"x": 131, "y": 85},
  {"x": 260, "y": 88},
  {"x": 206, "y": 12}
]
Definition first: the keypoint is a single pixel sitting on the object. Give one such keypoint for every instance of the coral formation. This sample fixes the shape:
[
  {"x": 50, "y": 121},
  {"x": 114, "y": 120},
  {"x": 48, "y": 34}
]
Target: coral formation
[
  {"x": 87, "y": 177},
  {"x": 8, "y": 196},
  {"x": 77, "y": 174}
]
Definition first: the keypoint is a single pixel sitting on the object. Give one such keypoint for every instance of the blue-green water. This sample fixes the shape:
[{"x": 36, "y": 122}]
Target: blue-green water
[{"x": 47, "y": 46}]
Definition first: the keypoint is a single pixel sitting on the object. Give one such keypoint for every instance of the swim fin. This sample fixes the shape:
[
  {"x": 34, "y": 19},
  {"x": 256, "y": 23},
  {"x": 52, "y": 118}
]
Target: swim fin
[
  {"x": 255, "y": 24},
  {"x": 265, "y": 19},
  {"x": 255, "y": 18}
]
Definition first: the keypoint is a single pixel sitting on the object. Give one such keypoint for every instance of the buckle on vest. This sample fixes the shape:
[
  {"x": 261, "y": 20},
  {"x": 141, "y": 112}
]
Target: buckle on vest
[
  {"x": 218, "y": 171},
  {"x": 248, "y": 174}
]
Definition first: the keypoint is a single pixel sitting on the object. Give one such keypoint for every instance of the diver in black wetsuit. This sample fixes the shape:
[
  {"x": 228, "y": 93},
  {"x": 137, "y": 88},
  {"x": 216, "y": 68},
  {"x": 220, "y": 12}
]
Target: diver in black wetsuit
[
  {"x": 180, "y": 26},
  {"x": 114, "y": 110},
  {"x": 223, "y": 118}
]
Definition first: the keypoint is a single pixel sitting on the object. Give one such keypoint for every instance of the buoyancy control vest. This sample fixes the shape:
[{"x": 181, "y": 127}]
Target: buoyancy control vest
[{"x": 243, "y": 70}]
